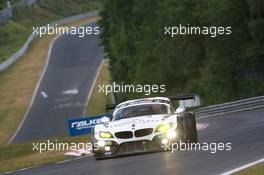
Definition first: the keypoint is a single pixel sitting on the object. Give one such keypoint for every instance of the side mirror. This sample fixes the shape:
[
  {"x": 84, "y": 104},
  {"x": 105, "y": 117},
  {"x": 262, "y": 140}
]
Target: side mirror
[
  {"x": 180, "y": 109},
  {"x": 105, "y": 119}
]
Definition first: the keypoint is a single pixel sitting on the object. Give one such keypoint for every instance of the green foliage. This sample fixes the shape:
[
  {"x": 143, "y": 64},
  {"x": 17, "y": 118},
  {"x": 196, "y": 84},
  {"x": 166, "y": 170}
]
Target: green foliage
[
  {"x": 223, "y": 68},
  {"x": 15, "y": 32}
]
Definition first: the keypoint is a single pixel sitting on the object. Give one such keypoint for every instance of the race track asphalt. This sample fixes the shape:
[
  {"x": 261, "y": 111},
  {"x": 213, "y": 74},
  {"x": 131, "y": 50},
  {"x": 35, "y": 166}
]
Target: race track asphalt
[
  {"x": 64, "y": 88},
  {"x": 243, "y": 130}
]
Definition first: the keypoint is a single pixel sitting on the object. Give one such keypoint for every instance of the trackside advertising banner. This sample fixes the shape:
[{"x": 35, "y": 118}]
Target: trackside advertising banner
[{"x": 83, "y": 125}]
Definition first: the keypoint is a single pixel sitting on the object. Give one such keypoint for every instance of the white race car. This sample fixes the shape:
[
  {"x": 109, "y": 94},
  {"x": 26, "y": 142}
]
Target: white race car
[{"x": 144, "y": 125}]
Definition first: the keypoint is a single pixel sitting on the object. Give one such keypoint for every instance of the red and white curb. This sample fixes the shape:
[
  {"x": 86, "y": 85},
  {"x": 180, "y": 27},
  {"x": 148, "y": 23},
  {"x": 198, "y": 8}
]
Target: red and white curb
[
  {"x": 79, "y": 152},
  {"x": 202, "y": 126}
]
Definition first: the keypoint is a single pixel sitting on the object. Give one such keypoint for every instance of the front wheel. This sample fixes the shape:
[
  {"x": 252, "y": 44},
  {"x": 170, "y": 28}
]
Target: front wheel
[{"x": 187, "y": 127}]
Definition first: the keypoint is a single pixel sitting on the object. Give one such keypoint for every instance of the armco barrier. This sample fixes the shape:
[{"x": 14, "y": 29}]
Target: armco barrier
[
  {"x": 24, "y": 48},
  {"x": 227, "y": 108},
  {"x": 26, "y": 3},
  {"x": 5, "y": 15}
]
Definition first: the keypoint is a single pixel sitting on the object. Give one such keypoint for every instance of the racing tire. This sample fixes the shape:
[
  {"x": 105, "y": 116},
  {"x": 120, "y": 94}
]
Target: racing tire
[
  {"x": 95, "y": 153},
  {"x": 188, "y": 131}
]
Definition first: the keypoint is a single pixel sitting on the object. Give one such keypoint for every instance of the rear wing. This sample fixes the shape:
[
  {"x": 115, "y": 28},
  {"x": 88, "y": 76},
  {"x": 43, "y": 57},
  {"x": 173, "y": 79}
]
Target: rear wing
[
  {"x": 183, "y": 97},
  {"x": 187, "y": 100}
]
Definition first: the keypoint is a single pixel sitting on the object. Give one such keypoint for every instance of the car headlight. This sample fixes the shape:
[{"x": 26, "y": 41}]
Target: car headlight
[
  {"x": 171, "y": 134},
  {"x": 101, "y": 143},
  {"x": 164, "y": 127},
  {"x": 106, "y": 135}
]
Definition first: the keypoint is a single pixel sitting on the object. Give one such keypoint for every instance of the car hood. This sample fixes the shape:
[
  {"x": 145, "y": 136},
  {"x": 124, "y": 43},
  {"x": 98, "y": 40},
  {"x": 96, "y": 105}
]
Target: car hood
[{"x": 135, "y": 123}]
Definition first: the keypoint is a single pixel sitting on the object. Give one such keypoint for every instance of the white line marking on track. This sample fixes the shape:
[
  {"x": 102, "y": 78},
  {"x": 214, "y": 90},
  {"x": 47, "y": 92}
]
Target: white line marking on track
[
  {"x": 243, "y": 167},
  {"x": 71, "y": 92},
  {"x": 93, "y": 85},
  {"x": 36, "y": 89},
  {"x": 44, "y": 94},
  {"x": 62, "y": 99},
  {"x": 23, "y": 169},
  {"x": 60, "y": 162}
]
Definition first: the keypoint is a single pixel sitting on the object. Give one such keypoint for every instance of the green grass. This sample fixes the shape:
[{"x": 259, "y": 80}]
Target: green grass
[
  {"x": 14, "y": 34},
  {"x": 17, "y": 83},
  {"x": 254, "y": 170},
  {"x": 98, "y": 100},
  {"x": 14, "y": 103},
  {"x": 2, "y": 5},
  {"x": 19, "y": 156}
]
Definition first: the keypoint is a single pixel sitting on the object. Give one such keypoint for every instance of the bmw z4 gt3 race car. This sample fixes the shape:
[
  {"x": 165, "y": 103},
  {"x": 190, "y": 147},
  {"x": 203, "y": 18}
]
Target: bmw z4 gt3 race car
[{"x": 144, "y": 125}]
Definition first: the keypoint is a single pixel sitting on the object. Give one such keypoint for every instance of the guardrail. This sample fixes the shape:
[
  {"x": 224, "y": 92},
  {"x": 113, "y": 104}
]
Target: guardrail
[
  {"x": 231, "y": 107},
  {"x": 5, "y": 15},
  {"x": 26, "y": 3},
  {"x": 24, "y": 48}
]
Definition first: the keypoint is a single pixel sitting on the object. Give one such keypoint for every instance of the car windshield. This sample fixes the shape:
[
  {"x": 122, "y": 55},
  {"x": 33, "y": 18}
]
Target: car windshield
[{"x": 141, "y": 110}]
